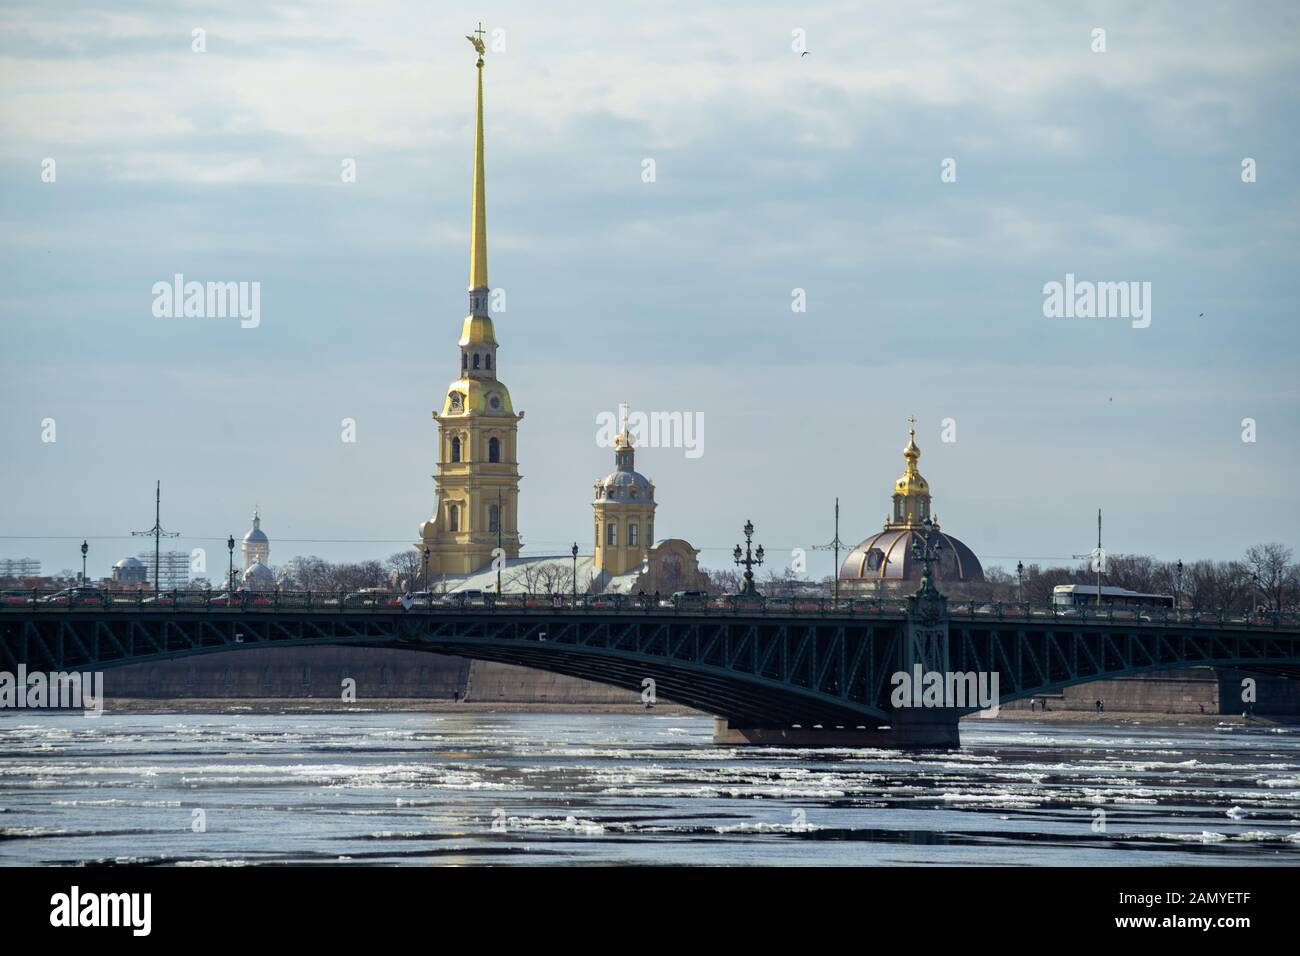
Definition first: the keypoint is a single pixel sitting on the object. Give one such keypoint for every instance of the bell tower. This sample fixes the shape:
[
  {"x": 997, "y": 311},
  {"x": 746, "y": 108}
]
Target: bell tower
[{"x": 477, "y": 466}]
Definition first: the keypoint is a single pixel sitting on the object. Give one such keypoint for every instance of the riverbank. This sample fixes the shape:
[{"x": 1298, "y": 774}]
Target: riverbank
[{"x": 299, "y": 705}]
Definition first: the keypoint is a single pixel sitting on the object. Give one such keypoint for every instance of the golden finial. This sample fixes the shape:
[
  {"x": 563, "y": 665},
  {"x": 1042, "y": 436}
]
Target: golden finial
[{"x": 477, "y": 40}]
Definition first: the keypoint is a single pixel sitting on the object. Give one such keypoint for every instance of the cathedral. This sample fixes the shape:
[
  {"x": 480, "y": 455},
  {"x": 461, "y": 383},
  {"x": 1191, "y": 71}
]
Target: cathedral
[
  {"x": 885, "y": 564},
  {"x": 476, "y": 478}
]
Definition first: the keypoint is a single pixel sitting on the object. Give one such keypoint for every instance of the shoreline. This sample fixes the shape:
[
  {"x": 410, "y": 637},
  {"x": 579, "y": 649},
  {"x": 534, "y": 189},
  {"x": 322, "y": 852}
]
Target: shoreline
[{"x": 298, "y": 705}]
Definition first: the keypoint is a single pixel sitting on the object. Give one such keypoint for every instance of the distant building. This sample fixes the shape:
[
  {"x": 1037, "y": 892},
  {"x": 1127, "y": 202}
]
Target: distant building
[
  {"x": 130, "y": 572},
  {"x": 19, "y": 567},
  {"x": 885, "y": 564},
  {"x": 256, "y": 549},
  {"x": 173, "y": 568}
]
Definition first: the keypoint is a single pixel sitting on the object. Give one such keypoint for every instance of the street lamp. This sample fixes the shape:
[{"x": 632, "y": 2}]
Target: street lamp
[
  {"x": 751, "y": 560},
  {"x": 424, "y": 572},
  {"x": 84, "y": 548},
  {"x": 230, "y": 546},
  {"x": 1178, "y": 582},
  {"x": 574, "y": 552},
  {"x": 1020, "y": 579}
]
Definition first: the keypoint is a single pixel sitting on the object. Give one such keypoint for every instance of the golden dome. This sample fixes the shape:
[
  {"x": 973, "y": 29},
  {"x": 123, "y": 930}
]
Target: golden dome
[{"x": 911, "y": 482}]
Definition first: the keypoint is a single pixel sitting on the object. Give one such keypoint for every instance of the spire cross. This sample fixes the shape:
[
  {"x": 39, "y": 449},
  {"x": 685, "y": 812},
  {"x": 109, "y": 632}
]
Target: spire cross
[
  {"x": 480, "y": 31},
  {"x": 622, "y": 416},
  {"x": 912, "y": 423}
]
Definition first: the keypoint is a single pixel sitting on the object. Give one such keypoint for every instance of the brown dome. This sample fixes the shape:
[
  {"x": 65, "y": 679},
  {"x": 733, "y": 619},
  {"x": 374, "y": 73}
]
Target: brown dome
[{"x": 887, "y": 556}]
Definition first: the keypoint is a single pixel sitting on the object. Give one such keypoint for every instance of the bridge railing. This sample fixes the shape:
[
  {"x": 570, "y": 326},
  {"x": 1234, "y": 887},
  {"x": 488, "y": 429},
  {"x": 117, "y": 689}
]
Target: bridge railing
[{"x": 89, "y": 598}]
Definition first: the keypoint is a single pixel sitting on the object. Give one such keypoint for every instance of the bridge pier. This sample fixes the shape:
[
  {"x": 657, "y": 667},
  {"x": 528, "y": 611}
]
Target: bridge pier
[{"x": 918, "y": 728}]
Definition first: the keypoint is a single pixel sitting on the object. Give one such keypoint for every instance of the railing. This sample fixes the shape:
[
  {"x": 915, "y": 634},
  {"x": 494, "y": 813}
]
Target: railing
[{"x": 727, "y": 605}]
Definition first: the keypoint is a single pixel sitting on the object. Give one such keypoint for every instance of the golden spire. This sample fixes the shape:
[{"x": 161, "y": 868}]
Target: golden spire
[
  {"x": 911, "y": 491},
  {"x": 478, "y": 274}
]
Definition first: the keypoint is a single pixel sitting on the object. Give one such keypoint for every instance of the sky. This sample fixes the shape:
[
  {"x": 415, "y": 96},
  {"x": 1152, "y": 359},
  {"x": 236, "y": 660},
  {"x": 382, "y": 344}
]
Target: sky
[{"x": 921, "y": 175}]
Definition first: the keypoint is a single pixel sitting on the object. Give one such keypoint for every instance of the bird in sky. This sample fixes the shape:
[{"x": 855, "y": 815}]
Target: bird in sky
[{"x": 804, "y": 53}]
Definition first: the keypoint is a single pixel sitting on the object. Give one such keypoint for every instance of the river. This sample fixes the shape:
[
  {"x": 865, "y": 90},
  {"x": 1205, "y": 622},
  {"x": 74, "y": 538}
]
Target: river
[{"x": 482, "y": 788}]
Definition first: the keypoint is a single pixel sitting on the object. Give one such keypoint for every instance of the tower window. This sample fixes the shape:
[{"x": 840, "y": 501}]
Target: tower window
[
  {"x": 453, "y": 518},
  {"x": 632, "y": 533},
  {"x": 455, "y": 449},
  {"x": 494, "y": 449},
  {"x": 476, "y": 360},
  {"x": 611, "y": 533},
  {"x": 464, "y": 360},
  {"x": 494, "y": 517},
  {"x": 487, "y": 361}
]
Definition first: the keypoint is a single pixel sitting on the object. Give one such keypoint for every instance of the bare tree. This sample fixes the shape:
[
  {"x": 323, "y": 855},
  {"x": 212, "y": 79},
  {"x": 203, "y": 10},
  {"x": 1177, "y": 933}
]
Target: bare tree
[
  {"x": 407, "y": 569},
  {"x": 1272, "y": 572}
]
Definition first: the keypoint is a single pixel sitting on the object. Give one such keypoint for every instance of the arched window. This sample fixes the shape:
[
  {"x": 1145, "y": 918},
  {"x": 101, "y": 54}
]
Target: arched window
[
  {"x": 453, "y": 518},
  {"x": 476, "y": 360},
  {"x": 494, "y": 518},
  {"x": 464, "y": 360},
  {"x": 494, "y": 449},
  {"x": 455, "y": 449},
  {"x": 487, "y": 361},
  {"x": 611, "y": 533},
  {"x": 631, "y": 533}
]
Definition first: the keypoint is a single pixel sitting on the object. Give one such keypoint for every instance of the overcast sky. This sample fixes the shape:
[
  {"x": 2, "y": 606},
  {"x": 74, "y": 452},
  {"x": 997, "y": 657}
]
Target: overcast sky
[{"x": 773, "y": 172}]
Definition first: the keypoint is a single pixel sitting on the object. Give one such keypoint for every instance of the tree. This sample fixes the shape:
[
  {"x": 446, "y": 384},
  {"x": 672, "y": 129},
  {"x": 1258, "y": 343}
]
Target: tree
[
  {"x": 1270, "y": 567},
  {"x": 407, "y": 569}
]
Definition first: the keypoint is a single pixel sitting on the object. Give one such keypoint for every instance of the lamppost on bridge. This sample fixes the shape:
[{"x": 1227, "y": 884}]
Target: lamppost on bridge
[
  {"x": 84, "y": 548},
  {"x": 927, "y": 553},
  {"x": 834, "y": 545},
  {"x": 230, "y": 577},
  {"x": 574, "y": 552},
  {"x": 424, "y": 570},
  {"x": 1178, "y": 584},
  {"x": 751, "y": 560},
  {"x": 1020, "y": 581}
]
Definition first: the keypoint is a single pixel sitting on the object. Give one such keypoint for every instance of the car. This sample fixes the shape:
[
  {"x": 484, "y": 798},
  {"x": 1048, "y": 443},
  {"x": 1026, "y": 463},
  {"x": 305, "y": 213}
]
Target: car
[
  {"x": 178, "y": 599},
  {"x": 13, "y": 598},
  {"x": 471, "y": 597},
  {"x": 690, "y": 599},
  {"x": 78, "y": 596},
  {"x": 240, "y": 599}
]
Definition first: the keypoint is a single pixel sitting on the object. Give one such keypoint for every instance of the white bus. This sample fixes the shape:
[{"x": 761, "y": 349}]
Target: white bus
[{"x": 1087, "y": 595}]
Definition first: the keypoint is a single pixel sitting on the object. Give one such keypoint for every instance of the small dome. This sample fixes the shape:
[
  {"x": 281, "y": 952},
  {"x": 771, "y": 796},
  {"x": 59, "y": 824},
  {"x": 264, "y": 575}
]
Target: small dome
[
  {"x": 627, "y": 486},
  {"x": 130, "y": 564},
  {"x": 255, "y": 534},
  {"x": 258, "y": 577}
]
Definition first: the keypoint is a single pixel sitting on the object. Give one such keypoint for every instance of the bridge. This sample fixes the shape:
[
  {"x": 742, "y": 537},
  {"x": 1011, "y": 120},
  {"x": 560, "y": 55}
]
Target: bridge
[{"x": 794, "y": 673}]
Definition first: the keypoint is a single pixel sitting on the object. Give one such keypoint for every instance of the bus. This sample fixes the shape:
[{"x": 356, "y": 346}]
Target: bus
[{"x": 1086, "y": 595}]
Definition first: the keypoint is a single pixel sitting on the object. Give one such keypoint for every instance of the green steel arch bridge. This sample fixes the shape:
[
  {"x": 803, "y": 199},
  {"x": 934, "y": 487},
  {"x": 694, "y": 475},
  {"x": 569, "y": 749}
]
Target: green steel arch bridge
[{"x": 795, "y": 673}]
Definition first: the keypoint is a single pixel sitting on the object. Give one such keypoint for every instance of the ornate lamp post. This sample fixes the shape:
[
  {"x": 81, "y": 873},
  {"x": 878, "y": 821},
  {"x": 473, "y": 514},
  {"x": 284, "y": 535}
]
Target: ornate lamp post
[
  {"x": 1020, "y": 581},
  {"x": 84, "y": 548},
  {"x": 1178, "y": 584},
  {"x": 750, "y": 560},
  {"x": 927, "y": 554},
  {"x": 424, "y": 571},
  {"x": 574, "y": 551},
  {"x": 230, "y": 578}
]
